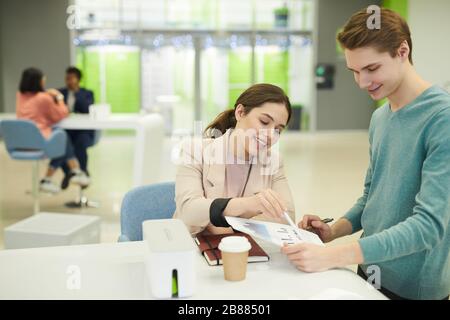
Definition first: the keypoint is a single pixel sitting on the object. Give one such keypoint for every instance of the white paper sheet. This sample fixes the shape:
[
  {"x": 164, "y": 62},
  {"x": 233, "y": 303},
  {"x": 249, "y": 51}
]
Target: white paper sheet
[
  {"x": 336, "y": 294},
  {"x": 275, "y": 233}
]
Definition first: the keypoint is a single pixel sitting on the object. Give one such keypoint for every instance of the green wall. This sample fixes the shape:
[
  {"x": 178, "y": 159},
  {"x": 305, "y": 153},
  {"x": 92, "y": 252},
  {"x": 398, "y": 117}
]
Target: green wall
[
  {"x": 275, "y": 70},
  {"x": 121, "y": 70},
  {"x": 122, "y": 73},
  {"x": 399, "y": 6},
  {"x": 239, "y": 74}
]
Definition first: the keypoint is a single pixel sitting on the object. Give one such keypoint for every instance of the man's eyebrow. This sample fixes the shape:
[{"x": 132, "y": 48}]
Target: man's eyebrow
[{"x": 366, "y": 67}]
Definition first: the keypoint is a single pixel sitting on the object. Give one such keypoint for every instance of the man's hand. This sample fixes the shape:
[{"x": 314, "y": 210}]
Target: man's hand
[
  {"x": 314, "y": 224},
  {"x": 309, "y": 257}
]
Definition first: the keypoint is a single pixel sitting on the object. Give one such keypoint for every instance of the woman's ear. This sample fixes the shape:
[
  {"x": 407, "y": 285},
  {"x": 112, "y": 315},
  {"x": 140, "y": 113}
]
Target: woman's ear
[
  {"x": 239, "y": 112},
  {"x": 403, "y": 50},
  {"x": 42, "y": 83}
]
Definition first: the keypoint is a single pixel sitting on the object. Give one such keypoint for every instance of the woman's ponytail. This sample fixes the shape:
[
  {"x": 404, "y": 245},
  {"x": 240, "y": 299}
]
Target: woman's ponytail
[
  {"x": 222, "y": 123},
  {"x": 253, "y": 97}
]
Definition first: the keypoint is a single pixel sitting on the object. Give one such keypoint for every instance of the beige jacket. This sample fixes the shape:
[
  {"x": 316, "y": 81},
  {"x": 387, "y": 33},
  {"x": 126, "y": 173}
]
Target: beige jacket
[{"x": 200, "y": 179}]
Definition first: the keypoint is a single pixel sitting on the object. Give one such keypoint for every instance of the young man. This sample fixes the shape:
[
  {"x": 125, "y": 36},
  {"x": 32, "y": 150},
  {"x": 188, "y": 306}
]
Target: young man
[
  {"x": 77, "y": 100},
  {"x": 405, "y": 209}
]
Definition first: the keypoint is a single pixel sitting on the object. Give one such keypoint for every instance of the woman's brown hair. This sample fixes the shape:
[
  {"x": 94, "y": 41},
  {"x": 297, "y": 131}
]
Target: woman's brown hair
[
  {"x": 392, "y": 32},
  {"x": 253, "y": 97}
]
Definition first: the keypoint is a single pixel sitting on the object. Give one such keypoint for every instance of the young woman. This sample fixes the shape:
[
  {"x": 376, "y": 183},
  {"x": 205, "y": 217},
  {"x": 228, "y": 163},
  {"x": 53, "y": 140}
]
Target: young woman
[
  {"x": 45, "y": 108},
  {"x": 234, "y": 172},
  {"x": 405, "y": 208}
]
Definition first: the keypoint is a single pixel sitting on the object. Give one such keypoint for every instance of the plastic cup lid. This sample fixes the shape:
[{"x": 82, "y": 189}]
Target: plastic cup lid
[{"x": 234, "y": 244}]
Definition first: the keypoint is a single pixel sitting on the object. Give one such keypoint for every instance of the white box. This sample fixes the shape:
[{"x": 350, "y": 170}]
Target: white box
[
  {"x": 171, "y": 253},
  {"x": 52, "y": 229}
]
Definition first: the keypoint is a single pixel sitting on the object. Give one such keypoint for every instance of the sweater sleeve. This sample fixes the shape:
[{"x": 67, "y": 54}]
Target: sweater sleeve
[
  {"x": 86, "y": 99},
  {"x": 54, "y": 111},
  {"x": 428, "y": 224},
  {"x": 355, "y": 213}
]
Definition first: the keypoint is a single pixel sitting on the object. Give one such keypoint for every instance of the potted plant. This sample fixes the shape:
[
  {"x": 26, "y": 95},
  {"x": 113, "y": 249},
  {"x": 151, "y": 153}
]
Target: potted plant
[{"x": 281, "y": 16}]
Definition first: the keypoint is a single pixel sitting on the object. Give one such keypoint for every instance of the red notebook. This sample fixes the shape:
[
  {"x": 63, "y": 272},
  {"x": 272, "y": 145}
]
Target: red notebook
[{"x": 208, "y": 245}]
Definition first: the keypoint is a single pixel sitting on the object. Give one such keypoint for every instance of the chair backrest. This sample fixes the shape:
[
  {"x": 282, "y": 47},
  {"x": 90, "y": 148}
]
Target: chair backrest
[
  {"x": 156, "y": 201},
  {"x": 97, "y": 135},
  {"x": 21, "y": 134}
]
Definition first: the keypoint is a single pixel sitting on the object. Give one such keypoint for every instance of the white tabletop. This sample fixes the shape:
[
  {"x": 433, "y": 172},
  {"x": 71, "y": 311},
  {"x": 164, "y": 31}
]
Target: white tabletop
[
  {"x": 116, "y": 271},
  {"x": 114, "y": 121},
  {"x": 85, "y": 121},
  {"x": 149, "y": 135}
]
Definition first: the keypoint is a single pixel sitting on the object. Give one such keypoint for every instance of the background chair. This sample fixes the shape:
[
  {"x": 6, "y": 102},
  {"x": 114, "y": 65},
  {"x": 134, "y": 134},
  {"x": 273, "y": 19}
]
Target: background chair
[
  {"x": 82, "y": 200},
  {"x": 24, "y": 141},
  {"x": 156, "y": 201}
]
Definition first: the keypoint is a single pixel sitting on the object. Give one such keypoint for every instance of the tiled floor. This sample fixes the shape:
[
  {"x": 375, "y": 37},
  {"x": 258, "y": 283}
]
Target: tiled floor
[{"x": 325, "y": 170}]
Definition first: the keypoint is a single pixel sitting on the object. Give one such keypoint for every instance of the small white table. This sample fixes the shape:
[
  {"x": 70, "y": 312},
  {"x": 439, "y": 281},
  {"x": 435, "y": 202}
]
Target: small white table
[
  {"x": 47, "y": 229},
  {"x": 149, "y": 130},
  {"x": 116, "y": 271}
]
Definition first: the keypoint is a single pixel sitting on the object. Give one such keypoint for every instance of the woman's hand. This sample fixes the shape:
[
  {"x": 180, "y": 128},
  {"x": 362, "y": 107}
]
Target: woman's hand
[
  {"x": 314, "y": 224},
  {"x": 53, "y": 92},
  {"x": 267, "y": 202},
  {"x": 309, "y": 257}
]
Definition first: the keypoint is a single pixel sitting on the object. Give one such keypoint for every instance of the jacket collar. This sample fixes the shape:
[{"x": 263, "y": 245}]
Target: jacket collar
[{"x": 215, "y": 155}]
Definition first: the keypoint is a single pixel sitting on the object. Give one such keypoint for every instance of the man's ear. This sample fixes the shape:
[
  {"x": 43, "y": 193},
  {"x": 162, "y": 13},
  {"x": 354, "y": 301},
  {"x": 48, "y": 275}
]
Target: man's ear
[
  {"x": 239, "y": 112},
  {"x": 403, "y": 50}
]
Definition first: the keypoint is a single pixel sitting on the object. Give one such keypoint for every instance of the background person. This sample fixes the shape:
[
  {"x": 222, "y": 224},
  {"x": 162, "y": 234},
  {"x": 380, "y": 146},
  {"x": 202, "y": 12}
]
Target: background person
[
  {"x": 46, "y": 108},
  {"x": 77, "y": 100}
]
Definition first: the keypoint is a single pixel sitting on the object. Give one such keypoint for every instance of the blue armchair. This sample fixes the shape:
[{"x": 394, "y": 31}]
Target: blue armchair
[
  {"x": 24, "y": 141},
  {"x": 156, "y": 201}
]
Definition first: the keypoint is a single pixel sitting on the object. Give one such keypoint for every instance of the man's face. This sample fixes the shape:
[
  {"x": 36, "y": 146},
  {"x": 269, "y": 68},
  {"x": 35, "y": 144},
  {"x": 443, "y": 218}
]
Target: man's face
[
  {"x": 72, "y": 81},
  {"x": 378, "y": 73}
]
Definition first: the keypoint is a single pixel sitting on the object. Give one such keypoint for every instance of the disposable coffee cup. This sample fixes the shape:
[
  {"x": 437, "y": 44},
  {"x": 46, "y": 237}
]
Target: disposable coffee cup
[{"x": 234, "y": 251}]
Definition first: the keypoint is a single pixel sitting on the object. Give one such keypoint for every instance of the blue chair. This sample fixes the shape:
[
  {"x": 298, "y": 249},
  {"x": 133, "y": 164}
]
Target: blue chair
[
  {"x": 24, "y": 141},
  {"x": 82, "y": 200},
  {"x": 156, "y": 201}
]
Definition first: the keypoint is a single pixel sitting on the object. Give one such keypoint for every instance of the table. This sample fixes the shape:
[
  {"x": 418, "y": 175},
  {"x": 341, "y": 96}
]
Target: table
[
  {"x": 149, "y": 130},
  {"x": 116, "y": 271},
  {"x": 47, "y": 229}
]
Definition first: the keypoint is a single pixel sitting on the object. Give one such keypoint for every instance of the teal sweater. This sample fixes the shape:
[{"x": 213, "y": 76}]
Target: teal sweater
[{"x": 405, "y": 209}]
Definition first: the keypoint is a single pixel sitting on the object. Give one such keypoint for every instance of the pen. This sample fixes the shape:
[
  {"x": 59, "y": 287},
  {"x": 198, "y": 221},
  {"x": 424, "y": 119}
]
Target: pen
[
  {"x": 326, "y": 220},
  {"x": 292, "y": 224}
]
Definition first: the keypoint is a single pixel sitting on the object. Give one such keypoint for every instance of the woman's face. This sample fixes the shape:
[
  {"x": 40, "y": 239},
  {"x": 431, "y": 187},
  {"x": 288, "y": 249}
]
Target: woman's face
[
  {"x": 43, "y": 82},
  {"x": 259, "y": 129}
]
